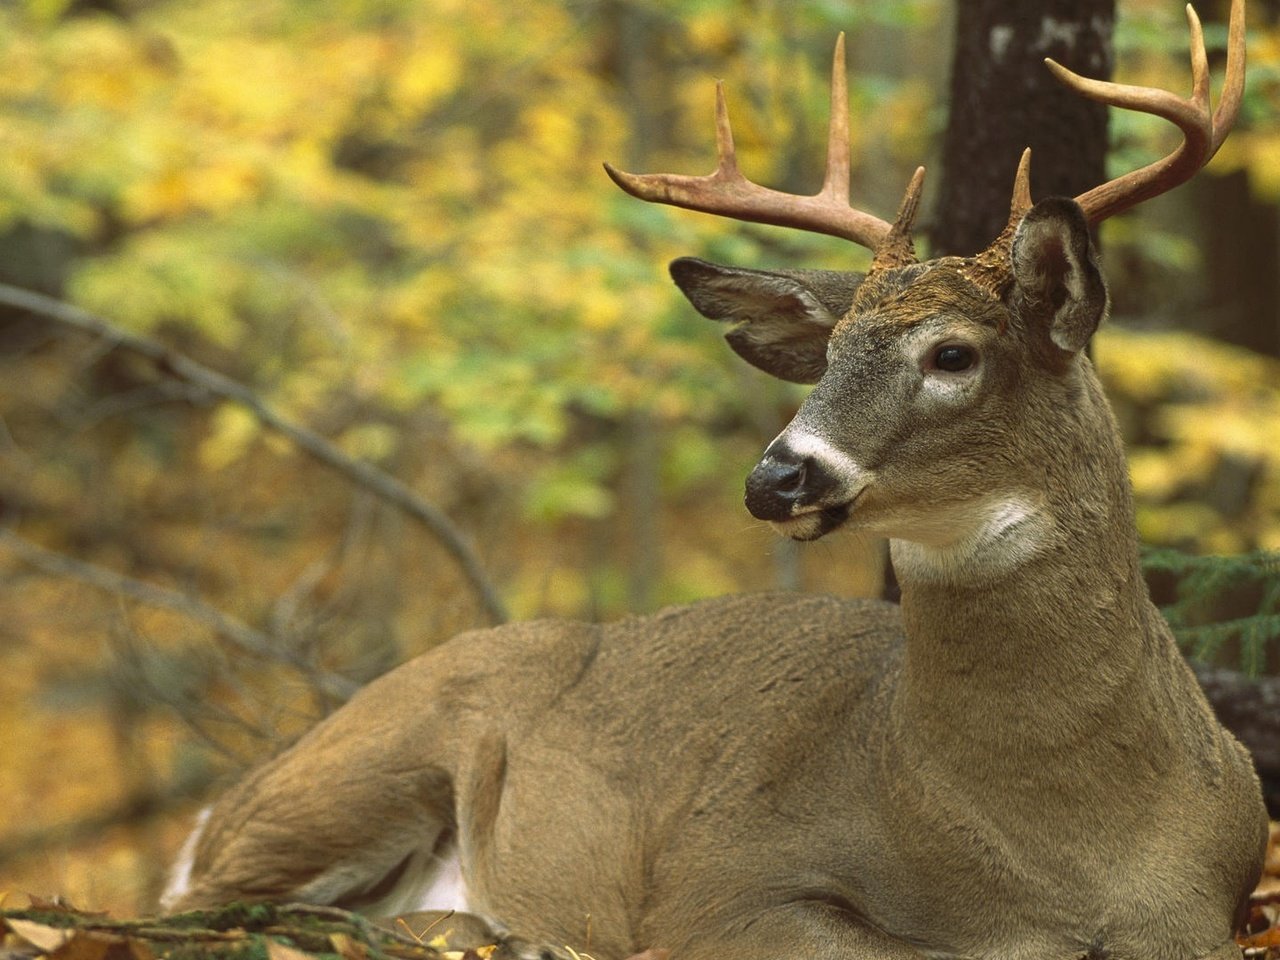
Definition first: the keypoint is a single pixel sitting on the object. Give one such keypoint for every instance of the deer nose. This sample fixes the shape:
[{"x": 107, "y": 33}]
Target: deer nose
[{"x": 784, "y": 481}]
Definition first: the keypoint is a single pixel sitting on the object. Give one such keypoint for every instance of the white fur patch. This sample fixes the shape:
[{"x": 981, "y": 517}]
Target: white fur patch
[
  {"x": 978, "y": 541},
  {"x": 180, "y": 875},
  {"x": 448, "y": 890},
  {"x": 833, "y": 460},
  {"x": 427, "y": 882},
  {"x": 800, "y": 526}
]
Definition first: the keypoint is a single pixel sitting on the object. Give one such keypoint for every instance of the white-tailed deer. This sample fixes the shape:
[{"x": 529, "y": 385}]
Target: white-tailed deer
[{"x": 1015, "y": 764}]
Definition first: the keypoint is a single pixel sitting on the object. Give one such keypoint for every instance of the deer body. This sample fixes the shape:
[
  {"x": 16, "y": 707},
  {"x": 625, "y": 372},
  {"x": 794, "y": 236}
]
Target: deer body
[
  {"x": 1014, "y": 764},
  {"x": 767, "y": 772}
]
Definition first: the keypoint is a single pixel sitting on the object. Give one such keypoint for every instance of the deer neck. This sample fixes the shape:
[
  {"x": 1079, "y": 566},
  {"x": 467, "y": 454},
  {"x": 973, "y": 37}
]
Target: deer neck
[{"x": 1029, "y": 624}]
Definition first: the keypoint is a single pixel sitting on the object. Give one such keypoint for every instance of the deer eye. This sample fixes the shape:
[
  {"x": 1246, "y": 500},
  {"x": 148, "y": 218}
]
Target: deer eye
[{"x": 954, "y": 357}]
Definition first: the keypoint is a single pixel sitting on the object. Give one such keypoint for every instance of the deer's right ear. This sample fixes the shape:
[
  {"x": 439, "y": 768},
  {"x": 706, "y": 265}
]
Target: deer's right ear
[{"x": 782, "y": 319}]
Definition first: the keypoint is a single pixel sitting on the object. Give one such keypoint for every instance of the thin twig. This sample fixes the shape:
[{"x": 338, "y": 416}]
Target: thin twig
[
  {"x": 188, "y": 703},
  {"x": 370, "y": 930},
  {"x": 366, "y": 475},
  {"x": 226, "y": 626},
  {"x": 185, "y": 934}
]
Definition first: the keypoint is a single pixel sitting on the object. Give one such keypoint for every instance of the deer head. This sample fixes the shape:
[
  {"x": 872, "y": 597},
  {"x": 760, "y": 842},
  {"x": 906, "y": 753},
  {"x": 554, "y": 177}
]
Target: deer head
[{"x": 943, "y": 387}]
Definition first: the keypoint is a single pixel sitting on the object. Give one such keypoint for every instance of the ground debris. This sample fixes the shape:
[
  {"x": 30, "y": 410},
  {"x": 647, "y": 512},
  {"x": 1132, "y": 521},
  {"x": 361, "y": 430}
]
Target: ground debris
[
  {"x": 55, "y": 931},
  {"x": 1260, "y": 937}
]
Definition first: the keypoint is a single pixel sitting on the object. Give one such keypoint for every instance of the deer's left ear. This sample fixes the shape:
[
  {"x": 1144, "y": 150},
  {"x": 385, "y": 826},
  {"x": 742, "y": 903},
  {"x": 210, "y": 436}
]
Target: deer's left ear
[{"x": 1056, "y": 275}]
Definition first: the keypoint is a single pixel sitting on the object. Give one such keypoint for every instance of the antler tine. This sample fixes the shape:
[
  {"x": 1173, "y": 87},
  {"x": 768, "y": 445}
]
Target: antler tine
[
  {"x": 1202, "y": 133},
  {"x": 1232, "y": 93},
  {"x": 897, "y": 249},
  {"x": 1021, "y": 202},
  {"x": 728, "y": 193},
  {"x": 990, "y": 268},
  {"x": 835, "y": 183}
]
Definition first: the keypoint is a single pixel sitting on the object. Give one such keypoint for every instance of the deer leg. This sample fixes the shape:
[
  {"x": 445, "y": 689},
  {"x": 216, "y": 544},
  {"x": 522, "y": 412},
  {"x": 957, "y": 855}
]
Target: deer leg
[{"x": 359, "y": 814}]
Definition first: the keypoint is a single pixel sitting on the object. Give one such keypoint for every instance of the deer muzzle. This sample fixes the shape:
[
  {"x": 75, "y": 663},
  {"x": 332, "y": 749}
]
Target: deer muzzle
[{"x": 796, "y": 493}]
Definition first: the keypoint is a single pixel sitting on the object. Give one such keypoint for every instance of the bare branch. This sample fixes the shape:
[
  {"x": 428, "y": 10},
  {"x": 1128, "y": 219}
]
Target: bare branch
[
  {"x": 189, "y": 703},
  {"x": 364, "y": 474}
]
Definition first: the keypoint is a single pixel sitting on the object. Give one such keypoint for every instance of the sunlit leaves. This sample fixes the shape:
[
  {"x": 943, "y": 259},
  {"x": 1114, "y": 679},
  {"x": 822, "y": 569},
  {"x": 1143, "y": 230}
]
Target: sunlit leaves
[
  {"x": 407, "y": 198},
  {"x": 402, "y": 203},
  {"x": 233, "y": 429},
  {"x": 1205, "y": 465}
]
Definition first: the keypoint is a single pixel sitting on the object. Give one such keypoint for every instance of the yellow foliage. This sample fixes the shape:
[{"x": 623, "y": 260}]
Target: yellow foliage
[
  {"x": 1216, "y": 413},
  {"x": 232, "y": 430},
  {"x": 425, "y": 73},
  {"x": 370, "y": 441}
]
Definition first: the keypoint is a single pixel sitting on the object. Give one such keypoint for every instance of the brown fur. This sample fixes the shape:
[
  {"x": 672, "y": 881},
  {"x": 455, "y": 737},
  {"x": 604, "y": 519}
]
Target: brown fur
[{"x": 1015, "y": 764}]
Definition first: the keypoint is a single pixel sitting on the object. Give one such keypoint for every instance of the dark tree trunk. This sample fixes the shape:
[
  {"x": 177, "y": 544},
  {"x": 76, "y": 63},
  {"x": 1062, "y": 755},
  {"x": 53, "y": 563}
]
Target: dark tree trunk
[
  {"x": 1241, "y": 246},
  {"x": 1003, "y": 99}
]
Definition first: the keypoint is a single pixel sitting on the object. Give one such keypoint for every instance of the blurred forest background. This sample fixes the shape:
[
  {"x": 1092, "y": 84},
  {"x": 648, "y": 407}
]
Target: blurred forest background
[{"x": 387, "y": 219}]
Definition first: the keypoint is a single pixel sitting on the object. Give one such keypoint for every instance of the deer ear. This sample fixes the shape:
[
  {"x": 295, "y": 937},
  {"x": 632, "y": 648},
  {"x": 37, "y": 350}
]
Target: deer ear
[
  {"x": 782, "y": 318},
  {"x": 1056, "y": 273}
]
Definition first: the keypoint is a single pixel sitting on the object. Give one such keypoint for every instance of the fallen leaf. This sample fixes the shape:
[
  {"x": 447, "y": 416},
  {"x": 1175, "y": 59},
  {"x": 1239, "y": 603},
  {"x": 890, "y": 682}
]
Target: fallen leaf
[
  {"x": 46, "y": 938},
  {"x": 1268, "y": 888},
  {"x": 348, "y": 947},
  {"x": 84, "y": 945},
  {"x": 139, "y": 950},
  {"x": 58, "y": 904},
  {"x": 1267, "y": 938},
  {"x": 100, "y": 945},
  {"x": 280, "y": 951}
]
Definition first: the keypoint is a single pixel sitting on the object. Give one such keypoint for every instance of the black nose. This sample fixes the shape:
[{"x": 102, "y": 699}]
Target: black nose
[{"x": 784, "y": 480}]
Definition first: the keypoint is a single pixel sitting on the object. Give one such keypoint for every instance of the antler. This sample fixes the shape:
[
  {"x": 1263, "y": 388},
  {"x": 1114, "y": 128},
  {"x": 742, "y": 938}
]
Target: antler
[
  {"x": 728, "y": 193},
  {"x": 1202, "y": 133}
]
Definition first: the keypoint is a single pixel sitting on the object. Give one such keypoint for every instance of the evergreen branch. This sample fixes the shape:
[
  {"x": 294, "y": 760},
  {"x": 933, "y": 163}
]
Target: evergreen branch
[
  {"x": 359, "y": 472},
  {"x": 1254, "y": 633},
  {"x": 1265, "y": 625},
  {"x": 1259, "y": 564},
  {"x": 1206, "y": 585}
]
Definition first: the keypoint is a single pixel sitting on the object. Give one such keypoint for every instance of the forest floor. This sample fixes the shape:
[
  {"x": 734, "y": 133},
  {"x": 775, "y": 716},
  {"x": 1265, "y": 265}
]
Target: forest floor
[{"x": 46, "y": 930}]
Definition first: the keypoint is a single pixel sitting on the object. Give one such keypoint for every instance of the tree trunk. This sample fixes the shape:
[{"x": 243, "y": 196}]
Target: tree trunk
[
  {"x": 1003, "y": 100},
  {"x": 1241, "y": 246}
]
